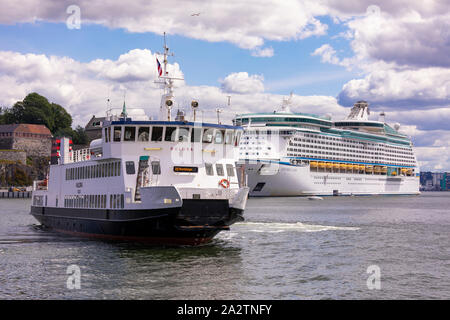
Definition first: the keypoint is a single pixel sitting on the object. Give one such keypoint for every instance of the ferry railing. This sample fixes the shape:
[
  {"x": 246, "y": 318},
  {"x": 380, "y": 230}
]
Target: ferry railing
[
  {"x": 40, "y": 185},
  {"x": 82, "y": 155}
]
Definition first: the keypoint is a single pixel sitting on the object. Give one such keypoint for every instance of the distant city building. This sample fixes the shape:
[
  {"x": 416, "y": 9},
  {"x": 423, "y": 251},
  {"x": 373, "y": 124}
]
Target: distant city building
[
  {"x": 435, "y": 181},
  {"x": 34, "y": 139},
  {"x": 93, "y": 128},
  {"x": 445, "y": 181}
]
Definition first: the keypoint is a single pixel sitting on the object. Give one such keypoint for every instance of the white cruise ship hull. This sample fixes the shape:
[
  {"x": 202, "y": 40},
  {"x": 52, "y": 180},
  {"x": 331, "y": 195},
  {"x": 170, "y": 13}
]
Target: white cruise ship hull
[{"x": 282, "y": 179}]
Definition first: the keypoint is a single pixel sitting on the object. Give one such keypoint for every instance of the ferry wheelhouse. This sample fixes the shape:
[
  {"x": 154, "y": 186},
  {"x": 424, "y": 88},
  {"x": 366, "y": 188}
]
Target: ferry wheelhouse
[
  {"x": 289, "y": 154},
  {"x": 166, "y": 182}
]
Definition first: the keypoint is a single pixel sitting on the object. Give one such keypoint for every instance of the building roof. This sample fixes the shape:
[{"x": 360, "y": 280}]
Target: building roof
[
  {"x": 26, "y": 128},
  {"x": 95, "y": 123}
]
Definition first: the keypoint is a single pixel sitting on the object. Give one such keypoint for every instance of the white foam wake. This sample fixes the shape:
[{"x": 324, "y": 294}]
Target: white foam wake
[{"x": 275, "y": 227}]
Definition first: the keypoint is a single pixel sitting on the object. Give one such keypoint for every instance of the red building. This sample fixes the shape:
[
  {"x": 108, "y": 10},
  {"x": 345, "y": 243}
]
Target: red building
[{"x": 34, "y": 139}]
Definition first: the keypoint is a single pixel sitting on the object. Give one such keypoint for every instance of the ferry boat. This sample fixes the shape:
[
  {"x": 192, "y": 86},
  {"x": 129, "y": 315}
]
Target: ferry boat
[
  {"x": 170, "y": 181},
  {"x": 299, "y": 154}
]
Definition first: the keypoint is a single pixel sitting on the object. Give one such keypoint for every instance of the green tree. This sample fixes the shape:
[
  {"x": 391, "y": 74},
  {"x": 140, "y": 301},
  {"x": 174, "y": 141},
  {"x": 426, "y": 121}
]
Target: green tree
[
  {"x": 61, "y": 118},
  {"x": 80, "y": 136},
  {"x": 37, "y": 109}
]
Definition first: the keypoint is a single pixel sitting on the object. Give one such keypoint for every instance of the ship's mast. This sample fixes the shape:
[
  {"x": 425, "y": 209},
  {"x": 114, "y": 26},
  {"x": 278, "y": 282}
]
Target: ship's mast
[{"x": 167, "y": 85}]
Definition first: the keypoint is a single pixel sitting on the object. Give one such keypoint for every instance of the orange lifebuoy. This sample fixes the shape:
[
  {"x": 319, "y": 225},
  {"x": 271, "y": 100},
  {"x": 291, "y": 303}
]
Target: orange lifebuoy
[{"x": 224, "y": 183}]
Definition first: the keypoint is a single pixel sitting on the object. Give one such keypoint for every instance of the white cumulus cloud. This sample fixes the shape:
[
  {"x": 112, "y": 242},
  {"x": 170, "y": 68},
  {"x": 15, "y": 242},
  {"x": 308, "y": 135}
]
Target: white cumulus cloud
[{"x": 242, "y": 82}]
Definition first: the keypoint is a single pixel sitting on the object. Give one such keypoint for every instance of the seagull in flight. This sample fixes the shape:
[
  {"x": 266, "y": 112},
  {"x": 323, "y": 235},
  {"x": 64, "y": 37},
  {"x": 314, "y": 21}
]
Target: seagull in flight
[{"x": 195, "y": 14}]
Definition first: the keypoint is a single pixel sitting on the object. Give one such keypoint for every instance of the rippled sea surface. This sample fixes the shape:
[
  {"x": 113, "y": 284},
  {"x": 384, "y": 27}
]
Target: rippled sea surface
[{"x": 288, "y": 248}]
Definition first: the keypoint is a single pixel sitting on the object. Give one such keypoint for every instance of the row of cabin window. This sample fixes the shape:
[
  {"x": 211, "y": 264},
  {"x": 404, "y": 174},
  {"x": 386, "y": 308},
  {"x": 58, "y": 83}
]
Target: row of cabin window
[
  {"x": 155, "y": 165},
  {"x": 219, "y": 169},
  {"x": 171, "y": 134},
  {"x": 94, "y": 201},
  {"x": 156, "y": 168},
  {"x": 102, "y": 170},
  {"x": 85, "y": 201}
]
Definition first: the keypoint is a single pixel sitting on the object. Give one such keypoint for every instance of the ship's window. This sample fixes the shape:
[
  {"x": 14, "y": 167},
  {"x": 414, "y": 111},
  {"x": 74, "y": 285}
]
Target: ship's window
[
  {"x": 143, "y": 133},
  {"x": 109, "y": 134},
  {"x": 156, "y": 167},
  {"x": 229, "y": 137},
  {"x": 121, "y": 201},
  {"x": 238, "y": 137},
  {"x": 170, "y": 134},
  {"x": 130, "y": 134},
  {"x": 218, "y": 138},
  {"x": 209, "y": 169},
  {"x": 102, "y": 170},
  {"x": 117, "y": 133},
  {"x": 129, "y": 166},
  {"x": 117, "y": 169},
  {"x": 208, "y": 135},
  {"x": 183, "y": 134},
  {"x": 230, "y": 170},
  {"x": 219, "y": 169},
  {"x": 106, "y": 135},
  {"x": 196, "y": 134},
  {"x": 157, "y": 133}
]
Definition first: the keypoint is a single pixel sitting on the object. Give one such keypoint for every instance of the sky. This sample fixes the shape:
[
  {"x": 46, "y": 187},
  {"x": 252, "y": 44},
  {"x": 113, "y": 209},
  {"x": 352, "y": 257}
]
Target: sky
[{"x": 328, "y": 53}]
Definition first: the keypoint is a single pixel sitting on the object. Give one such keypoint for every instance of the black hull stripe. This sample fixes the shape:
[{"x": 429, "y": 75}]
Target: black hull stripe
[{"x": 144, "y": 240}]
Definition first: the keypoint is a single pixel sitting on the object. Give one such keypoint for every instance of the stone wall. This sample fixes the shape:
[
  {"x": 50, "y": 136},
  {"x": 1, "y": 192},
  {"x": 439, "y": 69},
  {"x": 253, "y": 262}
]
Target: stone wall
[
  {"x": 6, "y": 143},
  {"x": 13, "y": 156},
  {"x": 33, "y": 147}
]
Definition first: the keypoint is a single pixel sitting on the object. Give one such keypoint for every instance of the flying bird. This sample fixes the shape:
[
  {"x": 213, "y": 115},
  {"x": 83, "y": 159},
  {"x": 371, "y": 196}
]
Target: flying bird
[{"x": 195, "y": 14}]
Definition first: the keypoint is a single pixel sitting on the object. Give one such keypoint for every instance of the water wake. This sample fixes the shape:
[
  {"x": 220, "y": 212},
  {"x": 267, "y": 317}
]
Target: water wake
[{"x": 276, "y": 227}]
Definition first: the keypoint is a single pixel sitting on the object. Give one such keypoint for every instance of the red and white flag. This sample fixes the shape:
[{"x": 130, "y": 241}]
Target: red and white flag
[{"x": 159, "y": 67}]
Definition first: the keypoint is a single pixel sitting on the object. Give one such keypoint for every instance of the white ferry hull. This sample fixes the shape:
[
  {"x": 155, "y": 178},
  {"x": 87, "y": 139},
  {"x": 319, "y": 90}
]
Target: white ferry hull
[{"x": 289, "y": 180}]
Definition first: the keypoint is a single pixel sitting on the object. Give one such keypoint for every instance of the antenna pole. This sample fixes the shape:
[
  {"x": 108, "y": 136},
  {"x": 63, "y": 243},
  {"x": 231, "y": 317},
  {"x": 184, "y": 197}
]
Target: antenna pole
[{"x": 167, "y": 82}]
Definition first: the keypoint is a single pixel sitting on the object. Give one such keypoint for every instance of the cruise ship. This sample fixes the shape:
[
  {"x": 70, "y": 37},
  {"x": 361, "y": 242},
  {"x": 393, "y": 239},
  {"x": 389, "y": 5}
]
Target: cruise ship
[
  {"x": 299, "y": 154},
  {"x": 167, "y": 181}
]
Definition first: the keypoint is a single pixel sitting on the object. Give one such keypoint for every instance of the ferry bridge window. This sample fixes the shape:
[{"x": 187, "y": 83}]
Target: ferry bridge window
[
  {"x": 218, "y": 138},
  {"x": 219, "y": 169},
  {"x": 208, "y": 136},
  {"x": 143, "y": 133},
  {"x": 238, "y": 137},
  {"x": 130, "y": 134},
  {"x": 129, "y": 167},
  {"x": 170, "y": 134},
  {"x": 117, "y": 133},
  {"x": 229, "y": 137},
  {"x": 109, "y": 134},
  {"x": 157, "y": 133},
  {"x": 156, "y": 167},
  {"x": 183, "y": 134},
  {"x": 209, "y": 169},
  {"x": 106, "y": 135},
  {"x": 196, "y": 134}
]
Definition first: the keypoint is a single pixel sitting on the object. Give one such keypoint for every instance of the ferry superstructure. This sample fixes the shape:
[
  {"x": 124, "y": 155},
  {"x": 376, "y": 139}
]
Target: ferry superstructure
[
  {"x": 170, "y": 181},
  {"x": 298, "y": 154}
]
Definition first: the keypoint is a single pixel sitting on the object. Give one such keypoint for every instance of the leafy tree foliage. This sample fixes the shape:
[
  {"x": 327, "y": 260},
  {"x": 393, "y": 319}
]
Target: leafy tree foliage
[{"x": 37, "y": 109}]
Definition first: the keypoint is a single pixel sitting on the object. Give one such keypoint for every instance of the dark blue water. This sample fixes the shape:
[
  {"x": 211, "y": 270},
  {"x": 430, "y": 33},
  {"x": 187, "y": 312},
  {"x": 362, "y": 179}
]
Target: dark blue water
[{"x": 288, "y": 248}]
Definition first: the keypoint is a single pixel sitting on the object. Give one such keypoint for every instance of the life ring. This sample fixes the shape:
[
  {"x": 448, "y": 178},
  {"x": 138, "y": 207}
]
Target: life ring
[{"x": 224, "y": 183}]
